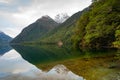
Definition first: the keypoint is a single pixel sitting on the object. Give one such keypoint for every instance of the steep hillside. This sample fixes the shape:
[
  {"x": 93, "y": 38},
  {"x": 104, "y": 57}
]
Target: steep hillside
[
  {"x": 36, "y": 30},
  {"x": 64, "y": 31},
  {"x": 4, "y": 39},
  {"x": 99, "y": 27}
]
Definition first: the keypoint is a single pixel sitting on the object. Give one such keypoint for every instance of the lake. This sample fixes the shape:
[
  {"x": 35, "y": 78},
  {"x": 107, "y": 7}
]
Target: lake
[{"x": 51, "y": 62}]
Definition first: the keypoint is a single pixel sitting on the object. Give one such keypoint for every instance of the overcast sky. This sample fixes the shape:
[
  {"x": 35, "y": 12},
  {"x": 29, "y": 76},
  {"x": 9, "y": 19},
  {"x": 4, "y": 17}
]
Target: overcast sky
[{"x": 17, "y": 14}]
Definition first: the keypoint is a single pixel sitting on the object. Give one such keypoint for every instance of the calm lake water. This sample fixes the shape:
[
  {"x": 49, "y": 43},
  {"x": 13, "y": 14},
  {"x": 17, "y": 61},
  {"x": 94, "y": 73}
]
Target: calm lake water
[{"x": 44, "y": 62}]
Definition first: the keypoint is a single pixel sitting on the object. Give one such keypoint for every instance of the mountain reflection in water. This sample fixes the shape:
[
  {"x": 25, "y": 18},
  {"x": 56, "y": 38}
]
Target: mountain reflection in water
[
  {"x": 4, "y": 49},
  {"x": 14, "y": 67},
  {"x": 91, "y": 64},
  {"x": 46, "y": 53}
]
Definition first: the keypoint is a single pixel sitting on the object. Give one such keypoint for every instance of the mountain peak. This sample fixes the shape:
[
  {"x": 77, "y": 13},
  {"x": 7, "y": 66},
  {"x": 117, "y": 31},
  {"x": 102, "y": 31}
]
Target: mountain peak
[
  {"x": 45, "y": 18},
  {"x": 62, "y": 17},
  {"x": 37, "y": 29}
]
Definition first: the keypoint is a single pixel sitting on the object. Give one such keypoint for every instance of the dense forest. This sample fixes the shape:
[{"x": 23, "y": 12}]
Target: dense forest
[{"x": 100, "y": 26}]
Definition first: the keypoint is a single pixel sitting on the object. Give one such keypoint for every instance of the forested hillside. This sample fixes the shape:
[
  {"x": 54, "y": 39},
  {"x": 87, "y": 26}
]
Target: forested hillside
[
  {"x": 99, "y": 27},
  {"x": 64, "y": 31}
]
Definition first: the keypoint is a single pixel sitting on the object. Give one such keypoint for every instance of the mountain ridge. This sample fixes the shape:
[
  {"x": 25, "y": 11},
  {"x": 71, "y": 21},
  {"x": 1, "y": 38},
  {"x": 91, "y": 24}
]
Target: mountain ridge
[
  {"x": 4, "y": 39},
  {"x": 36, "y": 29}
]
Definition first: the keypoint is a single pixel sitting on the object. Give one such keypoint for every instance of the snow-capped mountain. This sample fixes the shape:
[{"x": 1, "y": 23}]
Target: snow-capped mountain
[{"x": 60, "y": 18}]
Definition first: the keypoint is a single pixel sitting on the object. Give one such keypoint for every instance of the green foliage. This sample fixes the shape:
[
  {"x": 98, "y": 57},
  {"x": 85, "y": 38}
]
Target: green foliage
[
  {"x": 97, "y": 27},
  {"x": 117, "y": 36},
  {"x": 77, "y": 37},
  {"x": 117, "y": 57}
]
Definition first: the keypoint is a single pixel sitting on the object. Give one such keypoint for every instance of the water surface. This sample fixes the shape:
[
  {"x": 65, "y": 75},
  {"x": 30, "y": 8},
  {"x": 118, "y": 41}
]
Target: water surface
[
  {"x": 91, "y": 64},
  {"x": 45, "y": 61},
  {"x": 14, "y": 67}
]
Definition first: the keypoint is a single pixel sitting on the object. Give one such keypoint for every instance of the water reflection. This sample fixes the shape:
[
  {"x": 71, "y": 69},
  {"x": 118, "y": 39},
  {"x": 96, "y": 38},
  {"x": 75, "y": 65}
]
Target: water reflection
[
  {"x": 91, "y": 64},
  {"x": 4, "y": 49},
  {"x": 14, "y": 67},
  {"x": 39, "y": 54},
  {"x": 46, "y": 53},
  {"x": 13, "y": 63}
]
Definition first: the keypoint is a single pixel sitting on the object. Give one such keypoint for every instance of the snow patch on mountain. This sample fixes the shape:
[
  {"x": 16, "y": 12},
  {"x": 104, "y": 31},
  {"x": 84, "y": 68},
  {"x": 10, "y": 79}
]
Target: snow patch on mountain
[{"x": 62, "y": 17}]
